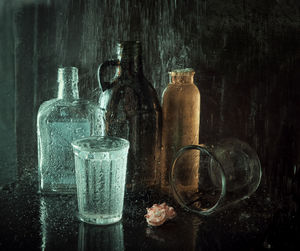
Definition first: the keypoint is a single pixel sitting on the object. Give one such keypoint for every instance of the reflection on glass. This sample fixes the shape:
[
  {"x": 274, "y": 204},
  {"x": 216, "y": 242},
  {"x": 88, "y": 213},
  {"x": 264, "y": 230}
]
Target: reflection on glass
[
  {"x": 94, "y": 237},
  {"x": 43, "y": 216}
]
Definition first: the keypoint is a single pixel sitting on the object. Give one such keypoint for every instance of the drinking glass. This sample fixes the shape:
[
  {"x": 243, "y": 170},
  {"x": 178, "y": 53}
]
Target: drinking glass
[
  {"x": 100, "y": 169},
  {"x": 228, "y": 172}
]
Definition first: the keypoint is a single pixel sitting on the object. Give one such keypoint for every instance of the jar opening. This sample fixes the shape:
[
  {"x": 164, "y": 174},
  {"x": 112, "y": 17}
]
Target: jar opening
[
  {"x": 210, "y": 189},
  {"x": 100, "y": 144},
  {"x": 69, "y": 73},
  {"x": 182, "y": 72}
]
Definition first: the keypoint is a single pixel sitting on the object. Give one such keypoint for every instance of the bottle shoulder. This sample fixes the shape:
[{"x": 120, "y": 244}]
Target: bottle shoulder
[
  {"x": 46, "y": 106},
  {"x": 62, "y": 110},
  {"x": 47, "y": 103},
  {"x": 181, "y": 89},
  {"x": 175, "y": 94},
  {"x": 134, "y": 93}
]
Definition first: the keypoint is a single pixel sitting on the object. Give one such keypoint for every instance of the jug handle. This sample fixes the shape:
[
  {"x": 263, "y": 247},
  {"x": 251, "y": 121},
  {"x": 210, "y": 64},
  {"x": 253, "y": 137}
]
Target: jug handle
[{"x": 105, "y": 85}]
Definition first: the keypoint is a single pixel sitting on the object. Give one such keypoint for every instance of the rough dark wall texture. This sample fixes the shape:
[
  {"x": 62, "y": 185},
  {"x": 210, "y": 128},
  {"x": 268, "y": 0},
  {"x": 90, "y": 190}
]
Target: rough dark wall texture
[
  {"x": 8, "y": 169},
  {"x": 245, "y": 53}
]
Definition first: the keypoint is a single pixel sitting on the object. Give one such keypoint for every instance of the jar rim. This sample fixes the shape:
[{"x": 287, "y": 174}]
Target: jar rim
[
  {"x": 100, "y": 144},
  {"x": 179, "y": 198},
  {"x": 182, "y": 72}
]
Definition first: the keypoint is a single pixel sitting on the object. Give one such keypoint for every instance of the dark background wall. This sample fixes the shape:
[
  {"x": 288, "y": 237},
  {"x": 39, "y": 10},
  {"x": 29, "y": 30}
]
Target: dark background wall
[
  {"x": 8, "y": 161},
  {"x": 245, "y": 54}
]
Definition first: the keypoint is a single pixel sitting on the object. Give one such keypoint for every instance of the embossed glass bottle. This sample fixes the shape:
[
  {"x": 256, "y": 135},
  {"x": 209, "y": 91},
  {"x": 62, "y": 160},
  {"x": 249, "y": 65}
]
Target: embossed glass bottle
[
  {"x": 59, "y": 122},
  {"x": 131, "y": 110}
]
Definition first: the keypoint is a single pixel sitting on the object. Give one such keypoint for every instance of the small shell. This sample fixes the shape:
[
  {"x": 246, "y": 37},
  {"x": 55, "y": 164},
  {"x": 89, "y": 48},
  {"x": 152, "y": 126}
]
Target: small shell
[
  {"x": 158, "y": 214},
  {"x": 171, "y": 213}
]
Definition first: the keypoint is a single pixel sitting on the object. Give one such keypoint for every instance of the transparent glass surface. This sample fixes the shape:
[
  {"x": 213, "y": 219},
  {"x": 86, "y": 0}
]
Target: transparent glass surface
[
  {"x": 59, "y": 122},
  {"x": 228, "y": 172},
  {"x": 100, "y": 166}
]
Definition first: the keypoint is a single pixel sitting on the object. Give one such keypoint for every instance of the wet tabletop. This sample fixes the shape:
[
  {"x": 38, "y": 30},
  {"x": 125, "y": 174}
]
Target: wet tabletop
[{"x": 29, "y": 221}]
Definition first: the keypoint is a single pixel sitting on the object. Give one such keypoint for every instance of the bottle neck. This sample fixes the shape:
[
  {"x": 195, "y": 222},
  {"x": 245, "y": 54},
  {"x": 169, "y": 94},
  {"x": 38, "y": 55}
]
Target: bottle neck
[
  {"x": 182, "y": 76},
  {"x": 68, "y": 83},
  {"x": 130, "y": 56},
  {"x": 182, "y": 80}
]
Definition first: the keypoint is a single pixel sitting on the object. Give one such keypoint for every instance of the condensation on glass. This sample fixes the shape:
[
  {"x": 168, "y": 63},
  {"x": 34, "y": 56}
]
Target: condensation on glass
[
  {"x": 180, "y": 126},
  {"x": 60, "y": 121},
  {"x": 129, "y": 108},
  {"x": 100, "y": 168}
]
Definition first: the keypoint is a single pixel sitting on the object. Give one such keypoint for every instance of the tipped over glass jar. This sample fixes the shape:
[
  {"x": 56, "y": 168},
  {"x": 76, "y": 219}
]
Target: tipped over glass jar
[{"x": 228, "y": 172}]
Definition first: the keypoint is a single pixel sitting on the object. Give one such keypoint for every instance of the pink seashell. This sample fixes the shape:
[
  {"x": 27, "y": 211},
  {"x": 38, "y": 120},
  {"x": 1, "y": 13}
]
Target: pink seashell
[{"x": 158, "y": 214}]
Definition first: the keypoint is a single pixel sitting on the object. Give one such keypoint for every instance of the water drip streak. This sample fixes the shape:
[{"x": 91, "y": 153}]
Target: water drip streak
[
  {"x": 110, "y": 183},
  {"x": 222, "y": 105},
  {"x": 99, "y": 184},
  {"x": 90, "y": 183},
  {"x": 95, "y": 178},
  {"x": 85, "y": 178}
]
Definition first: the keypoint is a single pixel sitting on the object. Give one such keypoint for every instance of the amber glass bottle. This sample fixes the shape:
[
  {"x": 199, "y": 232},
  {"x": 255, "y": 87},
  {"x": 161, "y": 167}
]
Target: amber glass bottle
[{"x": 180, "y": 126}]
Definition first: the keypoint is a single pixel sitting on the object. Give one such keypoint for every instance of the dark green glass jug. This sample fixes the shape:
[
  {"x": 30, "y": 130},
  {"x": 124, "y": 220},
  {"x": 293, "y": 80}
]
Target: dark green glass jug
[{"x": 130, "y": 109}]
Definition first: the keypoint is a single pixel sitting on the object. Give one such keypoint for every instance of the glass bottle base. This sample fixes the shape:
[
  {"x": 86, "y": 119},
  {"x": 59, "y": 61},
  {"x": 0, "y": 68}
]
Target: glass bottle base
[{"x": 99, "y": 219}]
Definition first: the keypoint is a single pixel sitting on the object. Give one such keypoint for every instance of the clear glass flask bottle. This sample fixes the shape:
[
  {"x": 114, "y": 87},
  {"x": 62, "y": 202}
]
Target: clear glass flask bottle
[{"x": 59, "y": 122}]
